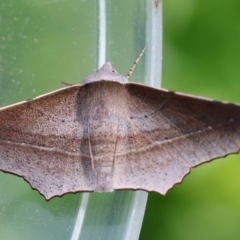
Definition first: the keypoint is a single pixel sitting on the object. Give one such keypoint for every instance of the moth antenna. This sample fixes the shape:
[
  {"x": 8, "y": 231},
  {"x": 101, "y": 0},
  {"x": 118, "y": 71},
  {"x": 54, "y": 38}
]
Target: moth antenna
[
  {"x": 67, "y": 84},
  {"x": 130, "y": 71}
]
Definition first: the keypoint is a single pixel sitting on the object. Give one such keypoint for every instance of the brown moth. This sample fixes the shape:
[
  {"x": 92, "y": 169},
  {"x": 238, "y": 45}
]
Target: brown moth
[{"x": 108, "y": 134}]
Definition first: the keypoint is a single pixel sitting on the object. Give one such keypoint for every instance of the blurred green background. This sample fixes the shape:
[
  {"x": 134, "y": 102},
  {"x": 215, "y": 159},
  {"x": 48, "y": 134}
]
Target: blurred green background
[
  {"x": 201, "y": 56},
  {"x": 44, "y": 42}
]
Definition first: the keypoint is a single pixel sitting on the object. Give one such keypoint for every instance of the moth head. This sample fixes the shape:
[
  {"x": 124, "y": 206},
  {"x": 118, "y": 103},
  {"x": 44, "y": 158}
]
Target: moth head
[{"x": 105, "y": 73}]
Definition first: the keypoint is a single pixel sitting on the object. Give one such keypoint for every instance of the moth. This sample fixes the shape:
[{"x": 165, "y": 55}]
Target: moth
[{"x": 109, "y": 134}]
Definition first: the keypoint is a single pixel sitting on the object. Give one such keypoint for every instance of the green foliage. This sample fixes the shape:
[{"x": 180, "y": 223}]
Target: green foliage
[{"x": 201, "y": 57}]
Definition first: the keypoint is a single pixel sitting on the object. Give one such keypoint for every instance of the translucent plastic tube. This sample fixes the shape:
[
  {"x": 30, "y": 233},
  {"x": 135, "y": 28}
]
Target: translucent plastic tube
[
  {"x": 119, "y": 215},
  {"x": 54, "y": 41}
]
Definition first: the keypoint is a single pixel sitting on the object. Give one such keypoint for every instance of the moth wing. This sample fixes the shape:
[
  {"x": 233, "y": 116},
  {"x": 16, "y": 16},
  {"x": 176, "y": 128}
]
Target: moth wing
[
  {"x": 41, "y": 139},
  {"x": 167, "y": 134}
]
